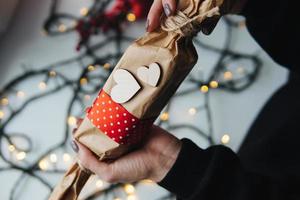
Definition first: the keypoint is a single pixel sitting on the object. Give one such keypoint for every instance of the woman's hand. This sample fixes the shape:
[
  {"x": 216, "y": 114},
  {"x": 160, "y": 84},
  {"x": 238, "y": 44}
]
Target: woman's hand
[
  {"x": 158, "y": 6},
  {"x": 152, "y": 161}
]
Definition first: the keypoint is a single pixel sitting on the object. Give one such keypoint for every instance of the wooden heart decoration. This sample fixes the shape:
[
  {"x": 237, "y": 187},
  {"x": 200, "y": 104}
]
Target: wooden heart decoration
[
  {"x": 126, "y": 86},
  {"x": 149, "y": 75}
]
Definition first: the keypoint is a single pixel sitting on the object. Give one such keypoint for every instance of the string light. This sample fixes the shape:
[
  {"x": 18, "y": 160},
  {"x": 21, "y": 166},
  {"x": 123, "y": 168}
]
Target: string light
[
  {"x": 228, "y": 75},
  {"x": 131, "y": 197},
  {"x": 106, "y": 66},
  {"x": 11, "y": 148},
  {"x": 72, "y": 121},
  {"x": 53, "y": 158},
  {"x": 2, "y": 114},
  {"x": 204, "y": 89},
  {"x": 43, "y": 165},
  {"x": 21, "y": 155},
  {"x": 131, "y": 17},
  {"x": 225, "y": 139},
  {"x": 62, "y": 28},
  {"x": 52, "y": 73},
  {"x": 66, "y": 157},
  {"x": 192, "y": 111},
  {"x": 129, "y": 189},
  {"x": 99, "y": 183},
  {"x": 4, "y": 101},
  {"x": 164, "y": 116},
  {"x": 83, "y": 81},
  {"x": 20, "y": 94},
  {"x": 84, "y": 11},
  {"x": 213, "y": 84},
  {"x": 42, "y": 85},
  {"x": 91, "y": 68}
]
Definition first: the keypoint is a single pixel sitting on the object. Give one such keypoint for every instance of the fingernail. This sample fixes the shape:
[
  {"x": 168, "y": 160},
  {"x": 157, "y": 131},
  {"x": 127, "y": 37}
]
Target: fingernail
[
  {"x": 167, "y": 9},
  {"x": 147, "y": 25},
  {"x": 74, "y": 146}
]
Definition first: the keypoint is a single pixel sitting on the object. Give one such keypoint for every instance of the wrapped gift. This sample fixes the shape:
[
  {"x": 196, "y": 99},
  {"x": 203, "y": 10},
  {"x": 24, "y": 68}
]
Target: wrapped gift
[{"x": 145, "y": 78}]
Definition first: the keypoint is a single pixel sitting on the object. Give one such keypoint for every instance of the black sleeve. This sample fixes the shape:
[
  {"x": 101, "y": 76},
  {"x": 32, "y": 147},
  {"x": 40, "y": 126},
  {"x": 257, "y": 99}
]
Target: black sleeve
[{"x": 215, "y": 173}]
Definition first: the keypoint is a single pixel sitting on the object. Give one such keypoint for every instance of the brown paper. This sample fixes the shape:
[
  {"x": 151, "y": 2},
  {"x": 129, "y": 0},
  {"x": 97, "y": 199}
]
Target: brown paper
[{"x": 176, "y": 55}]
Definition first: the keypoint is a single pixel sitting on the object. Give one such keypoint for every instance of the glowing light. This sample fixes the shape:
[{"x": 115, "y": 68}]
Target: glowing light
[
  {"x": 66, "y": 157},
  {"x": 91, "y": 68},
  {"x": 213, "y": 84},
  {"x": 225, "y": 139},
  {"x": 84, "y": 11},
  {"x": 117, "y": 198},
  {"x": 131, "y": 17},
  {"x": 204, "y": 89},
  {"x": 62, "y": 28},
  {"x": 11, "y": 148},
  {"x": 20, "y": 94},
  {"x": 99, "y": 183},
  {"x": 164, "y": 116},
  {"x": 87, "y": 97},
  {"x": 129, "y": 189},
  {"x": 106, "y": 66},
  {"x": 43, "y": 165},
  {"x": 53, "y": 158},
  {"x": 42, "y": 85},
  {"x": 192, "y": 111},
  {"x": 52, "y": 73},
  {"x": 147, "y": 181},
  {"x": 83, "y": 81},
  {"x": 228, "y": 75},
  {"x": 2, "y": 114},
  {"x": 131, "y": 197},
  {"x": 21, "y": 155},
  {"x": 4, "y": 101},
  {"x": 72, "y": 120}
]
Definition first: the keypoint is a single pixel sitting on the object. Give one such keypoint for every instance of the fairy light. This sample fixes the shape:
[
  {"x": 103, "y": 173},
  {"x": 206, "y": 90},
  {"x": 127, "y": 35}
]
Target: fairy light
[
  {"x": 84, "y": 11},
  {"x": 129, "y": 188},
  {"x": 213, "y": 84},
  {"x": 62, "y": 28},
  {"x": 42, "y": 85},
  {"x": 192, "y": 111},
  {"x": 43, "y": 164},
  {"x": 52, "y": 73},
  {"x": 131, "y": 197},
  {"x": 4, "y": 101},
  {"x": 83, "y": 81},
  {"x": 11, "y": 148},
  {"x": 20, "y": 94},
  {"x": 204, "y": 89},
  {"x": 228, "y": 75},
  {"x": 53, "y": 158},
  {"x": 72, "y": 121},
  {"x": 66, "y": 157},
  {"x": 131, "y": 17},
  {"x": 21, "y": 155},
  {"x": 99, "y": 184},
  {"x": 2, "y": 114},
  {"x": 164, "y": 116},
  {"x": 106, "y": 66},
  {"x": 91, "y": 68},
  {"x": 225, "y": 139},
  {"x": 147, "y": 181}
]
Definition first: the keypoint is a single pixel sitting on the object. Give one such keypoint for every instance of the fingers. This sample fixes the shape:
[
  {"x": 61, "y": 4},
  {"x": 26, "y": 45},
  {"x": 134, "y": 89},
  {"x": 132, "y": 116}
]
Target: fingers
[{"x": 153, "y": 19}]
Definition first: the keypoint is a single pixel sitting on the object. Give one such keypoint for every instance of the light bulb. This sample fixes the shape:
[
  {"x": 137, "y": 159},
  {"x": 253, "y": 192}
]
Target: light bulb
[
  {"x": 192, "y": 111},
  {"x": 66, "y": 157},
  {"x": 204, "y": 89},
  {"x": 129, "y": 189},
  {"x": 225, "y": 139},
  {"x": 72, "y": 121},
  {"x": 42, "y": 85},
  {"x": 53, "y": 158},
  {"x": 164, "y": 116},
  {"x": 4, "y": 101},
  {"x": 131, "y": 17},
  {"x": 2, "y": 114},
  {"x": 213, "y": 84},
  {"x": 21, "y": 155},
  {"x": 43, "y": 165}
]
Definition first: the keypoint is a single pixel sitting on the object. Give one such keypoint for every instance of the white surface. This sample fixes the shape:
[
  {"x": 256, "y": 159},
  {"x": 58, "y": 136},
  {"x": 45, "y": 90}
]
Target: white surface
[{"x": 23, "y": 44}]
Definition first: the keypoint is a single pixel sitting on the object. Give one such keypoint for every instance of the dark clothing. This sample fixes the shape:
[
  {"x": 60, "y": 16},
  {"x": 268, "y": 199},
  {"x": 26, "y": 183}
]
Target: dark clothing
[{"x": 267, "y": 165}]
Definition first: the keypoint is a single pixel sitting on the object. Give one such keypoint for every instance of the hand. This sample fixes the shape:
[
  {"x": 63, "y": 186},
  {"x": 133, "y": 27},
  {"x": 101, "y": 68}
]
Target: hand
[
  {"x": 152, "y": 161},
  {"x": 153, "y": 19}
]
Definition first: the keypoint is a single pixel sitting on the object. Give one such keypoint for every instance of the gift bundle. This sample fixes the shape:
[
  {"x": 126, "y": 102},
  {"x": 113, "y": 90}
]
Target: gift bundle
[{"x": 145, "y": 78}]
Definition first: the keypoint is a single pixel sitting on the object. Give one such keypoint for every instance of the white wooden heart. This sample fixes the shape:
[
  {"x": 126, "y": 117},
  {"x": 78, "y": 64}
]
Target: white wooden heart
[
  {"x": 126, "y": 86},
  {"x": 149, "y": 75}
]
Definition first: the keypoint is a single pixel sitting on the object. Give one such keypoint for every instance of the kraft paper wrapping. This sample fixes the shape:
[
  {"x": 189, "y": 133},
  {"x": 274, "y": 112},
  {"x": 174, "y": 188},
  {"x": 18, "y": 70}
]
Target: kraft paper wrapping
[{"x": 171, "y": 46}]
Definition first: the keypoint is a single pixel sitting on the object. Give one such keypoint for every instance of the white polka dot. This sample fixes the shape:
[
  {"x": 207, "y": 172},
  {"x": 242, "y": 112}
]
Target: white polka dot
[
  {"x": 117, "y": 108},
  {"x": 111, "y": 124},
  {"x": 124, "y": 114},
  {"x": 132, "y": 119},
  {"x": 117, "y": 115},
  {"x": 118, "y": 123},
  {"x": 112, "y": 131},
  {"x": 111, "y": 116},
  {"x": 92, "y": 120},
  {"x": 103, "y": 110},
  {"x": 114, "y": 138},
  {"x": 103, "y": 103},
  {"x": 120, "y": 137},
  {"x": 109, "y": 102},
  {"x": 97, "y": 111},
  {"x": 119, "y": 130},
  {"x": 103, "y": 95},
  {"x": 98, "y": 126},
  {"x": 104, "y": 118},
  {"x": 105, "y": 133},
  {"x": 133, "y": 126},
  {"x": 97, "y": 104},
  {"x": 109, "y": 109},
  {"x": 105, "y": 125},
  {"x": 98, "y": 119},
  {"x": 126, "y": 128},
  {"x": 125, "y": 121}
]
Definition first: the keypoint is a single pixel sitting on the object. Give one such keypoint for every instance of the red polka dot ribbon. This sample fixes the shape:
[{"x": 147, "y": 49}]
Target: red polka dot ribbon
[{"x": 115, "y": 121}]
